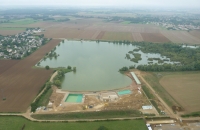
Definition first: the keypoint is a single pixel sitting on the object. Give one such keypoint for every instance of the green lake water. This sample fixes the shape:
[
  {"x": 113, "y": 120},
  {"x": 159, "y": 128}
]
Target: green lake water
[{"x": 97, "y": 65}]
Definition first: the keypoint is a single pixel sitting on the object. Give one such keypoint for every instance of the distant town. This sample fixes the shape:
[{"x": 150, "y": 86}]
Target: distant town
[
  {"x": 22, "y": 44},
  {"x": 171, "y": 26},
  {"x": 185, "y": 22}
]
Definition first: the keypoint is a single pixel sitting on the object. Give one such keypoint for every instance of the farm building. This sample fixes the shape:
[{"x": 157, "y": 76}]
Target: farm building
[
  {"x": 136, "y": 78},
  {"x": 147, "y": 107},
  {"x": 109, "y": 96}
]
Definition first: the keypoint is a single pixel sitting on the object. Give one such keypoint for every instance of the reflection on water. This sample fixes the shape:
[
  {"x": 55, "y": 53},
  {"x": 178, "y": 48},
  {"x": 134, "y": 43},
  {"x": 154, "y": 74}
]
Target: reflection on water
[{"x": 97, "y": 64}]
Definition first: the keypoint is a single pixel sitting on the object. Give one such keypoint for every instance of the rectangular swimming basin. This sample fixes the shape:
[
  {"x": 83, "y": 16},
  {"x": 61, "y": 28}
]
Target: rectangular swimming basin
[
  {"x": 124, "y": 92},
  {"x": 74, "y": 98}
]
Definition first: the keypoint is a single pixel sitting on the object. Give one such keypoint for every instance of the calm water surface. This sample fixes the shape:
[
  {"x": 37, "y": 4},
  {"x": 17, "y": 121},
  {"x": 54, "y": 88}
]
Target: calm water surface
[{"x": 97, "y": 65}]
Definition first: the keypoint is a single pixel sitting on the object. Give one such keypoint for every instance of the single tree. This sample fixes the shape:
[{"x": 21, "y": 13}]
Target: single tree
[
  {"x": 57, "y": 83},
  {"x": 74, "y": 69},
  {"x": 48, "y": 84},
  {"x": 47, "y": 67},
  {"x": 69, "y": 67}
]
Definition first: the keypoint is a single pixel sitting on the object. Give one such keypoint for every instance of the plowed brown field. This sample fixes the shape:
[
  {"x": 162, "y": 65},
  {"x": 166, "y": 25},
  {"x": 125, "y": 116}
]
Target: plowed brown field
[
  {"x": 154, "y": 37},
  {"x": 117, "y": 36},
  {"x": 100, "y": 35},
  {"x": 20, "y": 83},
  {"x": 195, "y": 33}
]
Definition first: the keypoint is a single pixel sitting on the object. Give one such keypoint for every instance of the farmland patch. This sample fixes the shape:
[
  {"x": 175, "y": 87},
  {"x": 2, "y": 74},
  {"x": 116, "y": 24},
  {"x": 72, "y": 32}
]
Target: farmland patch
[
  {"x": 101, "y": 34},
  {"x": 154, "y": 37},
  {"x": 20, "y": 83},
  {"x": 184, "y": 88},
  {"x": 137, "y": 37},
  {"x": 111, "y": 36},
  {"x": 181, "y": 37}
]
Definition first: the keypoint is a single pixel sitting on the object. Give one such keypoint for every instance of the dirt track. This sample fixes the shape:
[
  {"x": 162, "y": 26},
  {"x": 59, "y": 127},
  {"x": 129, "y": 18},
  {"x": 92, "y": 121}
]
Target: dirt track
[{"x": 20, "y": 83}]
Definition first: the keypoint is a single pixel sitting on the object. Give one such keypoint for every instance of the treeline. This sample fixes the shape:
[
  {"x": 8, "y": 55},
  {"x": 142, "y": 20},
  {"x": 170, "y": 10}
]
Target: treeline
[
  {"x": 194, "y": 114},
  {"x": 169, "y": 67},
  {"x": 51, "y": 54},
  {"x": 187, "y": 59},
  {"x": 151, "y": 96},
  {"x": 57, "y": 80},
  {"x": 38, "y": 12},
  {"x": 142, "y": 19},
  {"x": 184, "y": 58},
  {"x": 63, "y": 20},
  {"x": 36, "y": 104},
  {"x": 124, "y": 69}
]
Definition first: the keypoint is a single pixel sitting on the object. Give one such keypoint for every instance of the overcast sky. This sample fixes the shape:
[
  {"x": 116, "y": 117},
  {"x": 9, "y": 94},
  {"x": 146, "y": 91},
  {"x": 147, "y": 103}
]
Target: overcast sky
[{"x": 158, "y": 3}]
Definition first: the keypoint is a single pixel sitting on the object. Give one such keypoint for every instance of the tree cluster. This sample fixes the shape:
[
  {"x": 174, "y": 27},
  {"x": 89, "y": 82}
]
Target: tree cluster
[
  {"x": 60, "y": 75},
  {"x": 35, "y": 104},
  {"x": 188, "y": 58}
]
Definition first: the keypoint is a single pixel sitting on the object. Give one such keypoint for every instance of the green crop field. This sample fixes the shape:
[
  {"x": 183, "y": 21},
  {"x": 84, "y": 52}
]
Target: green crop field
[
  {"x": 20, "y": 22},
  {"x": 12, "y": 28},
  {"x": 17, "y": 123},
  {"x": 89, "y": 115}
]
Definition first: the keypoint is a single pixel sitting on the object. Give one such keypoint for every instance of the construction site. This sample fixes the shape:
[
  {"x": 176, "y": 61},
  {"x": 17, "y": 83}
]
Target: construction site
[{"x": 130, "y": 97}]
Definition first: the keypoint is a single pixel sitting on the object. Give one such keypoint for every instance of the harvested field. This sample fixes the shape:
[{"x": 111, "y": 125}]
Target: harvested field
[
  {"x": 116, "y": 27},
  {"x": 184, "y": 88},
  {"x": 96, "y": 34},
  {"x": 20, "y": 83},
  {"x": 117, "y": 36},
  {"x": 137, "y": 37},
  {"x": 69, "y": 33},
  {"x": 101, "y": 34},
  {"x": 87, "y": 34},
  {"x": 195, "y": 33},
  {"x": 154, "y": 37},
  {"x": 181, "y": 37},
  {"x": 10, "y": 32}
]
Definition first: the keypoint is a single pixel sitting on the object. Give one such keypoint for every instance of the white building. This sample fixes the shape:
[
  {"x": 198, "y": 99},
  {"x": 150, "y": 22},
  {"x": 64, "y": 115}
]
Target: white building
[
  {"x": 109, "y": 96},
  {"x": 147, "y": 107},
  {"x": 136, "y": 78}
]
